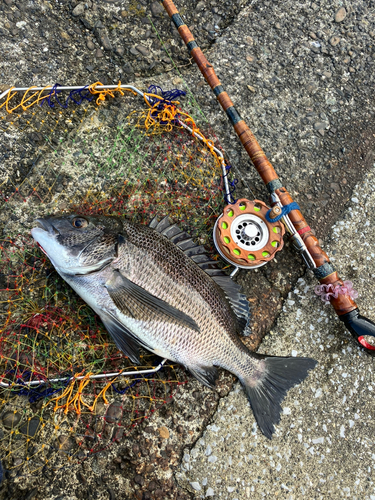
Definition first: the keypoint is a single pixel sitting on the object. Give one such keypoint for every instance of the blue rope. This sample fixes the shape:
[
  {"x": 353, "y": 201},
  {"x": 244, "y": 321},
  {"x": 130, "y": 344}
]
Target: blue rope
[
  {"x": 37, "y": 393},
  {"x": 228, "y": 197},
  {"x": 284, "y": 211},
  {"x": 84, "y": 96},
  {"x": 165, "y": 95},
  {"x": 166, "y": 98}
]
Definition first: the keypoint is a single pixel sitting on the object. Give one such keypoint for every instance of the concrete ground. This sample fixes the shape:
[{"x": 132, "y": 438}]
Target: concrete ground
[
  {"x": 324, "y": 444},
  {"x": 302, "y": 76}
]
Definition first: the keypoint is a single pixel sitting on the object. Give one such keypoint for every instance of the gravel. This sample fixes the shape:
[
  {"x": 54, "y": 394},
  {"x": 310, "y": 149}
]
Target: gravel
[{"x": 302, "y": 76}]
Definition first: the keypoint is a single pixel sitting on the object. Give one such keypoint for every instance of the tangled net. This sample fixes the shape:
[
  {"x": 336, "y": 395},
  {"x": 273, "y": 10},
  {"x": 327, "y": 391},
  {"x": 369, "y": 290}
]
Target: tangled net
[{"x": 86, "y": 153}]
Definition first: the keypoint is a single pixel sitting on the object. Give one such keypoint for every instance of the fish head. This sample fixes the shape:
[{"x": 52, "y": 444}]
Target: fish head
[{"x": 77, "y": 244}]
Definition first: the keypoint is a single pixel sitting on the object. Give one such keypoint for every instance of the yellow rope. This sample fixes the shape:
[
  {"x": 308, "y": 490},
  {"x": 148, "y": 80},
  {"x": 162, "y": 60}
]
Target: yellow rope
[
  {"x": 24, "y": 99},
  {"x": 154, "y": 117},
  {"x": 103, "y": 93},
  {"x": 169, "y": 113},
  {"x": 73, "y": 397}
]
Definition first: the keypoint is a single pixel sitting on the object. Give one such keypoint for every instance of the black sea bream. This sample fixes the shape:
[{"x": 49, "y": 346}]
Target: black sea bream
[{"x": 153, "y": 287}]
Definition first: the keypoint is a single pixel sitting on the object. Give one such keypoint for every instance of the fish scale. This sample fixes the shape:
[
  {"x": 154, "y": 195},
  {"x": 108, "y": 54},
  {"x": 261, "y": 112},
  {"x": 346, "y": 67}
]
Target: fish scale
[{"x": 153, "y": 287}]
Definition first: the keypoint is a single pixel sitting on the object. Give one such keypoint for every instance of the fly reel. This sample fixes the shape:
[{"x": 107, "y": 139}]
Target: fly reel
[{"x": 244, "y": 237}]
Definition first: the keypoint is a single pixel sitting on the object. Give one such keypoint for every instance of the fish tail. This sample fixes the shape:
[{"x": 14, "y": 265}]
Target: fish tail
[{"x": 267, "y": 388}]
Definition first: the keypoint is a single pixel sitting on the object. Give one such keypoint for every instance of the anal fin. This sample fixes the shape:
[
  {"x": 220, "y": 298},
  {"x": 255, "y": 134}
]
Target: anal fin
[{"x": 207, "y": 375}]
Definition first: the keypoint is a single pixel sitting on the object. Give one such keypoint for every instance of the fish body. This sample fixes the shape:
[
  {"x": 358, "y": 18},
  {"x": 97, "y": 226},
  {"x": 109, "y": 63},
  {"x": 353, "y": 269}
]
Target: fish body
[{"x": 153, "y": 287}]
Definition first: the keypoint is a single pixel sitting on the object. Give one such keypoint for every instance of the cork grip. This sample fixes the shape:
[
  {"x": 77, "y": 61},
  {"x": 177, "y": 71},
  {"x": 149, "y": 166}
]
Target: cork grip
[
  {"x": 343, "y": 304},
  {"x": 261, "y": 163},
  {"x": 170, "y": 7}
]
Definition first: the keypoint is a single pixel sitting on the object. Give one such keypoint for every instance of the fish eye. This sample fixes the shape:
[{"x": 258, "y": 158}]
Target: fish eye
[{"x": 79, "y": 223}]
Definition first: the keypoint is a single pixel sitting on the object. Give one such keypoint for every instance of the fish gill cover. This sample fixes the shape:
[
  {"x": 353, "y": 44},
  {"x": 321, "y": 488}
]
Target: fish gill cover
[{"x": 92, "y": 155}]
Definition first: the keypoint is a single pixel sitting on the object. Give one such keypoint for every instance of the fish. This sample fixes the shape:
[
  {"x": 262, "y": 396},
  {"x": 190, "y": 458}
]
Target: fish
[{"x": 154, "y": 288}]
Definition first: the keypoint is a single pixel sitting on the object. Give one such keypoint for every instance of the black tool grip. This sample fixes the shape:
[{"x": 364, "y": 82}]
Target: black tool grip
[{"x": 362, "y": 329}]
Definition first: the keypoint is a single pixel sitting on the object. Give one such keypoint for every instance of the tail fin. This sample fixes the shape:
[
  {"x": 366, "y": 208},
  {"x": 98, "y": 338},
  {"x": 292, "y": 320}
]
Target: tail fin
[{"x": 265, "y": 396}]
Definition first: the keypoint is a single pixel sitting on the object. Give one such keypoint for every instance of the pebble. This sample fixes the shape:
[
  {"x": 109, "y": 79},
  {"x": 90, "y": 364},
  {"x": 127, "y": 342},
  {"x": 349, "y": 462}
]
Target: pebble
[
  {"x": 196, "y": 486},
  {"x": 200, "y": 5},
  {"x": 156, "y": 9},
  {"x": 8, "y": 2},
  {"x": 335, "y": 40},
  {"x": 340, "y": 15},
  {"x": 152, "y": 486},
  {"x": 118, "y": 434},
  {"x": 139, "y": 480},
  {"x": 104, "y": 40},
  {"x": 90, "y": 45},
  {"x": 17, "y": 462},
  {"x": 120, "y": 51},
  {"x": 210, "y": 492},
  {"x": 66, "y": 443},
  {"x": 11, "y": 419},
  {"x": 98, "y": 53},
  {"x": 163, "y": 432},
  {"x": 31, "y": 427},
  {"x": 114, "y": 413},
  {"x": 142, "y": 50},
  {"x": 79, "y": 10},
  {"x": 320, "y": 125}
]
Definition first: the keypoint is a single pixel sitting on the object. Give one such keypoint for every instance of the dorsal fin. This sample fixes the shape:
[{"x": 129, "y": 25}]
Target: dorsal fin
[
  {"x": 163, "y": 224},
  {"x": 197, "y": 253},
  {"x": 154, "y": 222}
]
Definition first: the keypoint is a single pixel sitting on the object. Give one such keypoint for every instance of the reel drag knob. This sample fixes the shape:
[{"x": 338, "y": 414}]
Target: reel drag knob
[{"x": 244, "y": 237}]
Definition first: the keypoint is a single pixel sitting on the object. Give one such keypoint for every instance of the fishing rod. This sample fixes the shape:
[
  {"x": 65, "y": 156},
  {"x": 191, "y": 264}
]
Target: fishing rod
[{"x": 244, "y": 234}]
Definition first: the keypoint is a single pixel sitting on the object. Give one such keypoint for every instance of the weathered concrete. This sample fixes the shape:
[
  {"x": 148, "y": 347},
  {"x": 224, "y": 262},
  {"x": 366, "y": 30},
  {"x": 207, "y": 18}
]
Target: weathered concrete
[
  {"x": 303, "y": 80},
  {"x": 324, "y": 445}
]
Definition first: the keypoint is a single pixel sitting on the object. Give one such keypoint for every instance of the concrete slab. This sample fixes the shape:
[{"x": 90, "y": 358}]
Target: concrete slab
[{"x": 324, "y": 446}]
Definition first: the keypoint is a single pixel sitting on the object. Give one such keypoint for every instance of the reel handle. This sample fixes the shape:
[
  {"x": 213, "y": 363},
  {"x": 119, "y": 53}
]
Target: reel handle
[{"x": 323, "y": 270}]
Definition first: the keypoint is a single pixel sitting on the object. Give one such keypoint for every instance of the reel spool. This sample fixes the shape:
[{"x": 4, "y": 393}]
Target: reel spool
[{"x": 244, "y": 237}]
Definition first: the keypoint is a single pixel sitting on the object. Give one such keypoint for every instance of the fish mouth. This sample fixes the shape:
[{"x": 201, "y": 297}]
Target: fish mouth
[
  {"x": 47, "y": 226},
  {"x": 42, "y": 224}
]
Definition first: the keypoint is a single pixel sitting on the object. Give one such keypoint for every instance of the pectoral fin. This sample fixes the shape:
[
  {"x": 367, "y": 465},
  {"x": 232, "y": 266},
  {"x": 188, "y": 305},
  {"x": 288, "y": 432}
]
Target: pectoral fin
[
  {"x": 136, "y": 302},
  {"x": 124, "y": 339}
]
